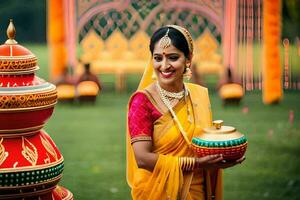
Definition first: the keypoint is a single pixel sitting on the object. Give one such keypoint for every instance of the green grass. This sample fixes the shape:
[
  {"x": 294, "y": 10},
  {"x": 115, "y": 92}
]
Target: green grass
[
  {"x": 41, "y": 52},
  {"x": 92, "y": 141},
  {"x": 271, "y": 170}
]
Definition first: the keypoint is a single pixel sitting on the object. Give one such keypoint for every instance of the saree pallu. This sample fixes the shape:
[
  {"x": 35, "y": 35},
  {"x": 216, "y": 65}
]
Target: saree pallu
[{"x": 167, "y": 180}]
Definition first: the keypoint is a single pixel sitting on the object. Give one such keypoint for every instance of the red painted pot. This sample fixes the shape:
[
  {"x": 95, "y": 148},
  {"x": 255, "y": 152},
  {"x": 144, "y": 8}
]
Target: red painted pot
[{"x": 30, "y": 163}]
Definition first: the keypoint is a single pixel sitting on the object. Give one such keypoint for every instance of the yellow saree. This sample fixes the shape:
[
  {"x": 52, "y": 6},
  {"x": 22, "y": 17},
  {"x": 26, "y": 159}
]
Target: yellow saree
[{"x": 167, "y": 180}]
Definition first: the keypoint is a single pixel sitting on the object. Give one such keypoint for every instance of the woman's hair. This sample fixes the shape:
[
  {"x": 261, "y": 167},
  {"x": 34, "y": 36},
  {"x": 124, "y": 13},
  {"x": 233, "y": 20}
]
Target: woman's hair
[{"x": 177, "y": 38}]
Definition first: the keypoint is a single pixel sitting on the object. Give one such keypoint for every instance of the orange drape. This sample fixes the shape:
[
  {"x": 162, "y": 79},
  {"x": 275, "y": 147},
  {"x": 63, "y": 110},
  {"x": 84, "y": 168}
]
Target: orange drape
[
  {"x": 56, "y": 38},
  {"x": 272, "y": 83}
]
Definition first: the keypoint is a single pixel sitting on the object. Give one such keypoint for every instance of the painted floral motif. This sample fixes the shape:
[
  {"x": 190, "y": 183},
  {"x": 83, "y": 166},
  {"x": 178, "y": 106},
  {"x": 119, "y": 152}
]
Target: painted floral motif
[
  {"x": 3, "y": 153},
  {"x": 29, "y": 151},
  {"x": 48, "y": 147}
]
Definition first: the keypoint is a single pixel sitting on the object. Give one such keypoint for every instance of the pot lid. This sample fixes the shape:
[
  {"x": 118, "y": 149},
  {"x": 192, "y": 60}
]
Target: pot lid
[
  {"x": 14, "y": 58},
  {"x": 219, "y": 128}
]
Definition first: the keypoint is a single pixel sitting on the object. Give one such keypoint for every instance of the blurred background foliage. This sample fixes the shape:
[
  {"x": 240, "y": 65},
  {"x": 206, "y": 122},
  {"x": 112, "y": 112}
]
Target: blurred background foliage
[
  {"x": 30, "y": 18},
  {"x": 290, "y": 19},
  {"x": 94, "y": 149}
]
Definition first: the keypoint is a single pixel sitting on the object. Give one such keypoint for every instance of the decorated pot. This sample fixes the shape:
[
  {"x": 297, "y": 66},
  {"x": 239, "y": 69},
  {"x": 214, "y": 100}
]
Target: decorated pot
[
  {"x": 30, "y": 163},
  {"x": 219, "y": 139}
]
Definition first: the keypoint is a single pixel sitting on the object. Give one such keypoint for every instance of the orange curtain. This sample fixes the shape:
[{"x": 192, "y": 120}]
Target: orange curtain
[
  {"x": 56, "y": 38},
  {"x": 272, "y": 83}
]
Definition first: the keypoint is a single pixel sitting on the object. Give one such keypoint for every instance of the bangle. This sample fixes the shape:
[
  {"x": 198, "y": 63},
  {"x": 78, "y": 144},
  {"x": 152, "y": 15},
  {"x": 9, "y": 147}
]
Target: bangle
[{"x": 187, "y": 163}]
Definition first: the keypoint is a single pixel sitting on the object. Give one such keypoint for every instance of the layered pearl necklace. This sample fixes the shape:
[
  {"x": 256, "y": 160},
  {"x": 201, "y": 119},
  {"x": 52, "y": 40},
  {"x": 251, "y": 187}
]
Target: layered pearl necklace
[{"x": 165, "y": 95}]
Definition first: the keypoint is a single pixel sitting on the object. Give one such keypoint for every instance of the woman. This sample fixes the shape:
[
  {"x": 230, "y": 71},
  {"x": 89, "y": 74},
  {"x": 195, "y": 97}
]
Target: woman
[{"x": 163, "y": 117}]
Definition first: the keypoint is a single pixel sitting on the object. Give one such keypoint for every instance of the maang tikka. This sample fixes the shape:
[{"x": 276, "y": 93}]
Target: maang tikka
[{"x": 165, "y": 41}]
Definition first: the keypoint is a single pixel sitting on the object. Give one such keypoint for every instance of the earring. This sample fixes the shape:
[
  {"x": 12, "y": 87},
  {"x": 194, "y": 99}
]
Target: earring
[{"x": 188, "y": 73}]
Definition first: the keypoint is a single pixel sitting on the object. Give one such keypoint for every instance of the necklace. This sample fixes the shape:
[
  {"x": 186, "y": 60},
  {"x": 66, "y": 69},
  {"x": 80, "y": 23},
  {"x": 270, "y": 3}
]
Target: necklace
[
  {"x": 175, "y": 95},
  {"x": 167, "y": 103}
]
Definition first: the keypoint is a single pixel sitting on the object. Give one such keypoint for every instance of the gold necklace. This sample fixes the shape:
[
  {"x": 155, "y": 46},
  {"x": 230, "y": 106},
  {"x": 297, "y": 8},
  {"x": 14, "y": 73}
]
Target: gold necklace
[
  {"x": 168, "y": 105},
  {"x": 175, "y": 95}
]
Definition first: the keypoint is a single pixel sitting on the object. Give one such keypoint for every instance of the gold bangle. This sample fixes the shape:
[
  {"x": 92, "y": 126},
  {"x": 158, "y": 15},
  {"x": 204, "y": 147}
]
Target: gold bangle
[
  {"x": 179, "y": 162},
  {"x": 187, "y": 163},
  {"x": 184, "y": 163},
  {"x": 193, "y": 163}
]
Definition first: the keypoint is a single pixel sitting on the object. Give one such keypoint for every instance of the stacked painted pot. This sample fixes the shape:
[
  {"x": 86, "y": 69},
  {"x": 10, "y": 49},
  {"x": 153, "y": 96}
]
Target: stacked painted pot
[
  {"x": 220, "y": 139},
  {"x": 30, "y": 163}
]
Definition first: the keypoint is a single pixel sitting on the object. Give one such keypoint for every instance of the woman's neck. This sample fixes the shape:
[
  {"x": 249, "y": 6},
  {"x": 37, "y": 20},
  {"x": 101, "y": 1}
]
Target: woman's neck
[{"x": 176, "y": 87}]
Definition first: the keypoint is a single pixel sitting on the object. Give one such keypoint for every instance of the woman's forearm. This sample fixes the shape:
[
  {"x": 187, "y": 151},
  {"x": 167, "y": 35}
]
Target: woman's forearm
[{"x": 147, "y": 161}]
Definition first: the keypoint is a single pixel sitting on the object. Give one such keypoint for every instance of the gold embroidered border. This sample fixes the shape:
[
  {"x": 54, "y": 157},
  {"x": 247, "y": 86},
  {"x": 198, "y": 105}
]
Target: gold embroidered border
[
  {"x": 152, "y": 99},
  {"x": 141, "y": 138},
  {"x": 28, "y": 100},
  {"x": 17, "y": 64}
]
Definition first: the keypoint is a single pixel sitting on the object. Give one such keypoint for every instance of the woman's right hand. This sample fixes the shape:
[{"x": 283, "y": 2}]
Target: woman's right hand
[
  {"x": 209, "y": 162},
  {"x": 216, "y": 161}
]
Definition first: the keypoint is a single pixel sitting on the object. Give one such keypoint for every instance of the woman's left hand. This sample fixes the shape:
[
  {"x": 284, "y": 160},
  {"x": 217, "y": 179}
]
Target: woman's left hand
[{"x": 226, "y": 164}]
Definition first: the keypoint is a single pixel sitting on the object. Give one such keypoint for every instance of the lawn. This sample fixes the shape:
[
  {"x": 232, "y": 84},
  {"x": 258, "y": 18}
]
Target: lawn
[{"x": 92, "y": 141}]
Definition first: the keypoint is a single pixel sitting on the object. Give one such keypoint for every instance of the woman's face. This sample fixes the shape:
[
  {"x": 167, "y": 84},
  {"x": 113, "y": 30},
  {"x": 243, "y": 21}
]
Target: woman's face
[{"x": 169, "y": 65}]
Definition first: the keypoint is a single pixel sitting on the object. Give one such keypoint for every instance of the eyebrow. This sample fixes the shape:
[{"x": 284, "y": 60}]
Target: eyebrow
[{"x": 167, "y": 54}]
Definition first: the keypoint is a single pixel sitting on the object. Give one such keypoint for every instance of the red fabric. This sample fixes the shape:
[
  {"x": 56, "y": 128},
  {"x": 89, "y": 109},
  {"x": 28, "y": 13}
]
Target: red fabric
[{"x": 141, "y": 116}]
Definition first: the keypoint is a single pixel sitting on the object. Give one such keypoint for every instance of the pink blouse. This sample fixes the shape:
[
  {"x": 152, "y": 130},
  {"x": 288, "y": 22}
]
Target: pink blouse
[{"x": 141, "y": 116}]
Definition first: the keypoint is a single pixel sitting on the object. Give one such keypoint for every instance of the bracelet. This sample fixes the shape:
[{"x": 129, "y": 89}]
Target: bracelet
[{"x": 187, "y": 163}]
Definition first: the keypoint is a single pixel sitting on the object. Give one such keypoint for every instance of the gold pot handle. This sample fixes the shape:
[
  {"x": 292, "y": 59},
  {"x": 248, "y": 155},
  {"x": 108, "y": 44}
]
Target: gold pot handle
[{"x": 218, "y": 124}]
